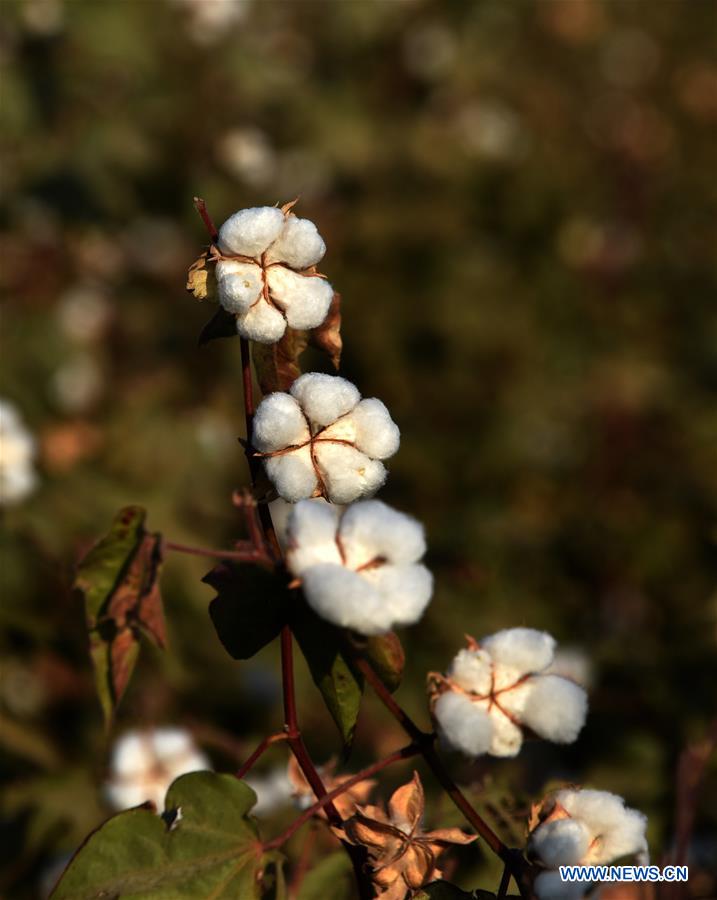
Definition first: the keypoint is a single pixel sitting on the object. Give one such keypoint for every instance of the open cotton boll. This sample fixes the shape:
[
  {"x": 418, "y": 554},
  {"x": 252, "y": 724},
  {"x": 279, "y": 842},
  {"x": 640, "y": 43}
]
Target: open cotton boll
[
  {"x": 345, "y": 598},
  {"x": 463, "y": 726},
  {"x": 371, "y": 529},
  {"x": 550, "y": 886},
  {"x": 304, "y": 299},
  {"x": 250, "y": 231},
  {"x": 472, "y": 670},
  {"x": 278, "y": 423},
  {"x": 616, "y": 830},
  {"x": 293, "y": 475},
  {"x": 560, "y": 842},
  {"x": 376, "y": 432},
  {"x": 261, "y": 323},
  {"x": 324, "y": 397},
  {"x": 238, "y": 285},
  {"x": 407, "y": 590},
  {"x": 555, "y": 708},
  {"x": 346, "y": 473},
  {"x": 299, "y": 244},
  {"x": 312, "y": 535},
  {"x": 507, "y": 737},
  {"x": 522, "y": 649}
]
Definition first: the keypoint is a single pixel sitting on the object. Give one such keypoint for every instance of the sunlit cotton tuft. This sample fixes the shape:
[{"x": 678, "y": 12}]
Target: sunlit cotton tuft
[
  {"x": 497, "y": 688},
  {"x": 322, "y": 439},
  {"x": 583, "y": 827},
  {"x": 145, "y": 763},
  {"x": 359, "y": 568},
  {"x": 266, "y": 273}
]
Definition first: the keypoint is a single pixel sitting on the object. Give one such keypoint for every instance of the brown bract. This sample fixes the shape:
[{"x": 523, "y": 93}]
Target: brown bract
[
  {"x": 402, "y": 857},
  {"x": 346, "y": 803}
]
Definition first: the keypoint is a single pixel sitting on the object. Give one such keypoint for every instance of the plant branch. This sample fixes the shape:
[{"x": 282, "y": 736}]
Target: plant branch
[
  {"x": 404, "y": 753},
  {"x": 201, "y": 208},
  {"x": 248, "y": 554},
  {"x": 504, "y": 883},
  {"x": 261, "y": 750}
]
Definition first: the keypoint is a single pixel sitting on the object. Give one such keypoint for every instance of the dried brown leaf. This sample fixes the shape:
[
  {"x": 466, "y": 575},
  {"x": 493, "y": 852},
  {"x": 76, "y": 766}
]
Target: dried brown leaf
[{"x": 327, "y": 336}]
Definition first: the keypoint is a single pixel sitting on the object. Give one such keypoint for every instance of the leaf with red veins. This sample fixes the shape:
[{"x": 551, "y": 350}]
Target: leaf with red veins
[{"x": 402, "y": 857}]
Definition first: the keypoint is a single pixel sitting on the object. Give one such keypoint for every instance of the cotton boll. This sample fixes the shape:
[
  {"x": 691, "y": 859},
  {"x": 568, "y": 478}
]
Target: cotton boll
[
  {"x": 507, "y": 737},
  {"x": 273, "y": 792},
  {"x": 305, "y": 299},
  {"x": 293, "y": 475},
  {"x": 346, "y": 473},
  {"x": 261, "y": 323},
  {"x": 376, "y": 432},
  {"x": 620, "y": 831},
  {"x": 250, "y": 231},
  {"x": 299, "y": 245},
  {"x": 521, "y": 649},
  {"x": 280, "y": 511},
  {"x": 278, "y": 423},
  {"x": 407, "y": 590},
  {"x": 130, "y": 754},
  {"x": 549, "y": 886},
  {"x": 555, "y": 708},
  {"x": 371, "y": 529},
  {"x": 312, "y": 535},
  {"x": 560, "y": 842},
  {"x": 471, "y": 670},
  {"x": 239, "y": 284},
  {"x": 168, "y": 742},
  {"x": 462, "y": 724},
  {"x": 324, "y": 397},
  {"x": 345, "y": 599}
]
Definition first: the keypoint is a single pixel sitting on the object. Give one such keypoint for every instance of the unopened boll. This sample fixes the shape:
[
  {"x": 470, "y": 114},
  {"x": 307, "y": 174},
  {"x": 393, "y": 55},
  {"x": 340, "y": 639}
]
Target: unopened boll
[
  {"x": 497, "y": 688},
  {"x": 145, "y": 763},
  {"x": 583, "y": 827},
  {"x": 266, "y": 276},
  {"x": 359, "y": 568},
  {"x": 322, "y": 439}
]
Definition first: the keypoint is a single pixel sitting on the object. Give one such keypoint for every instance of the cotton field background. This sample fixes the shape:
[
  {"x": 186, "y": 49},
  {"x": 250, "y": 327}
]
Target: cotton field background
[{"x": 519, "y": 205}]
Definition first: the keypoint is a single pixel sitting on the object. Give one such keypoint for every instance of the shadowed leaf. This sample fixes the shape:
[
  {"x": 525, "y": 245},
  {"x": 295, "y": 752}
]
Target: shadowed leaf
[
  {"x": 327, "y": 336},
  {"x": 332, "y": 877},
  {"x": 221, "y": 325},
  {"x": 119, "y": 581},
  {"x": 385, "y": 653},
  {"x": 249, "y": 610},
  {"x": 277, "y": 365},
  {"x": 211, "y": 850}
]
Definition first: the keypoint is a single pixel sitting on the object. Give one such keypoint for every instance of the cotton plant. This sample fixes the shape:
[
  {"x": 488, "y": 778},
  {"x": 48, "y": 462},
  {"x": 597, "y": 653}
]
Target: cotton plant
[
  {"x": 145, "y": 762},
  {"x": 343, "y": 571},
  {"x": 321, "y": 439},
  {"x": 576, "y": 827},
  {"x": 18, "y": 449},
  {"x": 498, "y": 689}
]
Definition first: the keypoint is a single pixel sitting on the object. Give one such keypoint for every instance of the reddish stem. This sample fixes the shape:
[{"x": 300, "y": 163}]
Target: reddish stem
[
  {"x": 201, "y": 208},
  {"x": 504, "y": 883},
  {"x": 323, "y": 802},
  {"x": 261, "y": 750},
  {"x": 250, "y": 554}
]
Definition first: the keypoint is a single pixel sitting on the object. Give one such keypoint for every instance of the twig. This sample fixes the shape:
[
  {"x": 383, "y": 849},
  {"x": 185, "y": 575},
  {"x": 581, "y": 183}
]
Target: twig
[
  {"x": 248, "y": 554},
  {"x": 261, "y": 750},
  {"x": 504, "y": 882}
]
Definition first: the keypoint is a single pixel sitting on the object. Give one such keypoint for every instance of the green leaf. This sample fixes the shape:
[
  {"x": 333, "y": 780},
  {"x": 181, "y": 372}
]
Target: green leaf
[
  {"x": 332, "y": 877},
  {"x": 119, "y": 581},
  {"x": 212, "y": 850},
  {"x": 341, "y": 687},
  {"x": 249, "y": 610},
  {"x": 385, "y": 653}
]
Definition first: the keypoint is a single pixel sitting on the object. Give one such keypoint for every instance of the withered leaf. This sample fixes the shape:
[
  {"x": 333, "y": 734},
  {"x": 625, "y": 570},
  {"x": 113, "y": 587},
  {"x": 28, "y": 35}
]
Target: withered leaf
[
  {"x": 119, "y": 581},
  {"x": 327, "y": 336},
  {"x": 277, "y": 365},
  {"x": 201, "y": 282}
]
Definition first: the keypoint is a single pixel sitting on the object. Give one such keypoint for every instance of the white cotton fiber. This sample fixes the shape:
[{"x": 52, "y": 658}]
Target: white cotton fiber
[
  {"x": 278, "y": 423},
  {"x": 471, "y": 670},
  {"x": 560, "y": 842},
  {"x": 311, "y": 531},
  {"x": 521, "y": 649},
  {"x": 250, "y": 231},
  {"x": 324, "y": 397},
  {"x": 462, "y": 725},
  {"x": 549, "y": 886},
  {"x": 370, "y": 529},
  {"x": 169, "y": 742},
  {"x": 507, "y": 736},
  {"x": 293, "y": 475},
  {"x": 376, "y": 432},
  {"x": 239, "y": 284},
  {"x": 261, "y": 323},
  {"x": 304, "y": 299},
  {"x": 555, "y": 708},
  {"x": 406, "y": 590},
  {"x": 299, "y": 244},
  {"x": 347, "y": 474},
  {"x": 345, "y": 599},
  {"x": 616, "y": 831},
  {"x": 130, "y": 754}
]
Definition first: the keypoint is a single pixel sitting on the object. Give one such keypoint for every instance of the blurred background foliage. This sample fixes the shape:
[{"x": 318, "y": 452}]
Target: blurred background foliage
[{"x": 519, "y": 204}]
